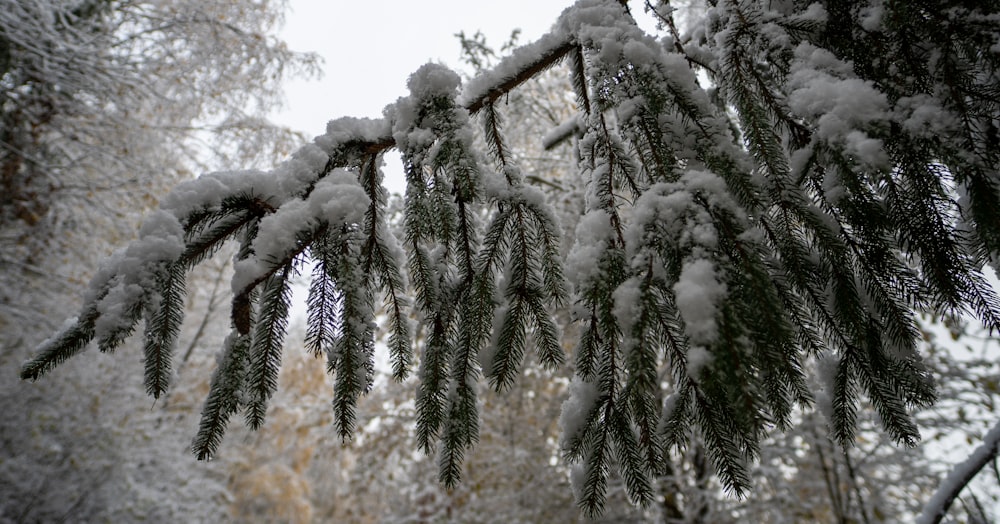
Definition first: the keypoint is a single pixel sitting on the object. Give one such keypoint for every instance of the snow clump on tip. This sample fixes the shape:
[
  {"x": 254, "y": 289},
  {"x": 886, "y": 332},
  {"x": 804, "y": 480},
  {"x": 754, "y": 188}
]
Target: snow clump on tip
[
  {"x": 132, "y": 273},
  {"x": 576, "y": 409},
  {"x": 433, "y": 80},
  {"x": 699, "y": 292}
]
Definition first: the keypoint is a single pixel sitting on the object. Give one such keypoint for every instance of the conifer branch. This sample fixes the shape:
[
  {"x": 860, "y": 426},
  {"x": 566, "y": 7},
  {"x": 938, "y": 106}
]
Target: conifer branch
[
  {"x": 67, "y": 343},
  {"x": 494, "y": 138},
  {"x": 546, "y": 59},
  {"x": 545, "y": 334},
  {"x": 324, "y": 300},
  {"x": 381, "y": 261},
  {"x": 721, "y": 432},
  {"x": 266, "y": 344},
  {"x": 461, "y": 428},
  {"x": 510, "y": 344},
  {"x": 677, "y": 416},
  {"x": 208, "y": 236},
  {"x": 635, "y": 470},
  {"x": 596, "y": 465},
  {"x": 162, "y": 327},
  {"x": 351, "y": 359},
  {"x": 431, "y": 398},
  {"x": 243, "y": 299},
  {"x": 641, "y": 364},
  {"x": 131, "y": 312},
  {"x": 223, "y": 398},
  {"x": 578, "y": 75}
]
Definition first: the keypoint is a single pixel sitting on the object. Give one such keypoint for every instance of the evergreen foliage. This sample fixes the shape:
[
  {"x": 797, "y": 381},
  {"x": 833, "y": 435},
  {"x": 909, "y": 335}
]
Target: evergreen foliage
[{"x": 791, "y": 182}]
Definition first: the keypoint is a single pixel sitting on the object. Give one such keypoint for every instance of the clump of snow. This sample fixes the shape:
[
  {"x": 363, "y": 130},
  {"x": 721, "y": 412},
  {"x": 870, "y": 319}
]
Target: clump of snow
[
  {"x": 821, "y": 61},
  {"x": 672, "y": 210},
  {"x": 698, "y": 293},
  {"x": 578, "y": 479},
  {"x": 420, "y": 120},
  {"x": 837, "y": 104},
  {"x": 115, "y": 308},
  {"x": 348, "y": 129},
  {"x": 301, "y": 170},
  {"x": 593, "y": 232},
  {"x": 833, "y": 187},
  {"x": 712, "y": 188},
  {"x": 815, "y": 12},
  {"x": 825, "y": 91},
  {"x": 627, "y": 310},
  {"x": 662, "y": 205},
  {"x": 161, "y": 241},
  {"x": 697, "y": 358},
  {"x": 870, "y": 16},
  {"x": 799, "y": 160},
  {"x": 589, "y": 14},
  {"x": 208, "y": 191},
  {"x": 406, "y": 134},
  {"x": 640, "y": 53},
  {"x": 577, "y": 408},
  {"x": 337, "y": 199},
  {"x": 923, "y": 115},
  {"x": 433, "y": 80},
  {"x": 869, "y": 150}
]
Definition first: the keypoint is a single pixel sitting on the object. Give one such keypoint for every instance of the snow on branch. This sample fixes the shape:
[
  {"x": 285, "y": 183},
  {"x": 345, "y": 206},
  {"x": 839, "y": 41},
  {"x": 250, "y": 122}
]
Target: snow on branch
[
  {"x": 523, "y": 64},
  {"x": 937, "y": 506}
]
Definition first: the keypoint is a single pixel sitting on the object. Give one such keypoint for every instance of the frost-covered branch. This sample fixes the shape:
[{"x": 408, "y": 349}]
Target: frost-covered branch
[{"x": 937, "y": 506}]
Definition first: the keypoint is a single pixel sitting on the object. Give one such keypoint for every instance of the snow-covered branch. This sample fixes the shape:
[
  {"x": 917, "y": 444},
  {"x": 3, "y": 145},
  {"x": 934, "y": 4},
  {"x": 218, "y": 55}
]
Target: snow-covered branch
[{"x": 937, "y": 506}]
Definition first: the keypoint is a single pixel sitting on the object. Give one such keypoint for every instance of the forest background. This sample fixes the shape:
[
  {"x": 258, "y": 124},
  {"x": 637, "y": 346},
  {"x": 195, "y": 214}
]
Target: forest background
[{"x": 83, "y": 446}]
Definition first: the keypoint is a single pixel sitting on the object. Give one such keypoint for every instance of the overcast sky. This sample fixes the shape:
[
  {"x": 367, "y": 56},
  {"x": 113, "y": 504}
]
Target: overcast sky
[{"x": 371, "y": 47}]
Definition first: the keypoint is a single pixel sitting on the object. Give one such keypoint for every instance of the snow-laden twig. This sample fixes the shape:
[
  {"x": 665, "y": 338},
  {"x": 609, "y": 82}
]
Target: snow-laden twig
[{"x": 937, "y": 506}]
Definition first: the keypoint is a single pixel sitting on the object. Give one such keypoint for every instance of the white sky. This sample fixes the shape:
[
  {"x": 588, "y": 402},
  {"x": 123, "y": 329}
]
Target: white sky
[{"x": 371, "y": 47}]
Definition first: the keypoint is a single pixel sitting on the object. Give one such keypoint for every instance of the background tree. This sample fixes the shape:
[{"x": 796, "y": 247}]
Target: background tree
[
  {"x": 104, "y": 105},
  {"x": 829, "y": 181}
]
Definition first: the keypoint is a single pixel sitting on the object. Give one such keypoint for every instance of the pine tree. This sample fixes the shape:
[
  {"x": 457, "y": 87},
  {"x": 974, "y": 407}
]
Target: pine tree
[{"x": 789, "y": 182}]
